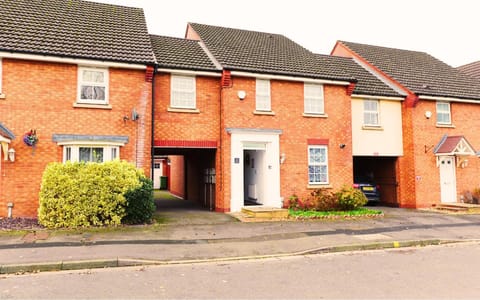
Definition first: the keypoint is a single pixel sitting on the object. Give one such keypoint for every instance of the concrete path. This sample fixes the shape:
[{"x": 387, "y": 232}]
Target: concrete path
[{"x": 194, "y": 235}]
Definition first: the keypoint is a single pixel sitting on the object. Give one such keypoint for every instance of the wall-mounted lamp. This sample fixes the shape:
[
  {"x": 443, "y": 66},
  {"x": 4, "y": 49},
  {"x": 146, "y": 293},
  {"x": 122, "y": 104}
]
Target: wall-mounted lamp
[
  {"x": 428, "y": 114},
  {"x": 282, "y": 158},
  {"x": 241, "y": 95},
  {"x": 342, "y": 146},
  {"x": 11, "y": 154}
]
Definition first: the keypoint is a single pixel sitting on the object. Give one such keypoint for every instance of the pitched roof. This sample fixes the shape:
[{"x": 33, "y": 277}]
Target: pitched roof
[
  {"x": 260, "y": 52},
  {"x": 367, "y": 83},
  {"x": 76, "y": 29},
  {"x": 420, "y": 72},
  {"x": 180, "y": 53},
  {"x": 471, "y": 69},
  {"x": 454, "y": 145},
  {"x": 5, "y": 132}
]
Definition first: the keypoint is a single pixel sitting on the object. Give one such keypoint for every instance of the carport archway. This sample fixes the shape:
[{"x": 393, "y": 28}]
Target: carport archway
[
  {"x": 383, "y": 172},
  {"x": 187, "y": 174}
]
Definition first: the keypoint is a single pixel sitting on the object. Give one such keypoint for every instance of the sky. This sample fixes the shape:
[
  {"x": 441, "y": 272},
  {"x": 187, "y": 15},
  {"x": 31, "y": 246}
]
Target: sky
[{"x": 448, "y": 30}]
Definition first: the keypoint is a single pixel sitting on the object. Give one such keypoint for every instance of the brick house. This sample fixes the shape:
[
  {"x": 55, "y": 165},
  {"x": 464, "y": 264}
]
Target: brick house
[
  {"x": 268, "y": 117},
  {"x": 439, "y": 122},
  {"x": 76, "y": 73}
]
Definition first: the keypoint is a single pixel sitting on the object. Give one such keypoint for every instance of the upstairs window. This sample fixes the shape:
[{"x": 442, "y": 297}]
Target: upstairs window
[
  {"x": 92, "y": 85},
  {"x": 313, "y": 97},
  {"x": 371, "y": 113},
  {"x": 443, "y": 113},
  {"x": 317, "y": 164},
  {"x": 262, "y": 95},
  {"x": 183, "y": 92}
]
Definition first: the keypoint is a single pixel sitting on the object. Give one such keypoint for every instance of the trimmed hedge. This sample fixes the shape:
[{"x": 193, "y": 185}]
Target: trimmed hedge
[
  {"x": 140, "y": 204},
  {"x": 86, "y": 194}
]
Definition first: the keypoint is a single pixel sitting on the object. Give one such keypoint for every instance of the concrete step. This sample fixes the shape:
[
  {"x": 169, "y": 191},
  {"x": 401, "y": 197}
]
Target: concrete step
[
  {"x": 265, "y": 212},
  {"x": 459, "y": 207}
]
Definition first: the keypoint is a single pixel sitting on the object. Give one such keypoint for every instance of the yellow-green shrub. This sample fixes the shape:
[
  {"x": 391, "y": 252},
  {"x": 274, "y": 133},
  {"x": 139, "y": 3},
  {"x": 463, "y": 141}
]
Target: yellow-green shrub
[{"x": 86, "y": 194}]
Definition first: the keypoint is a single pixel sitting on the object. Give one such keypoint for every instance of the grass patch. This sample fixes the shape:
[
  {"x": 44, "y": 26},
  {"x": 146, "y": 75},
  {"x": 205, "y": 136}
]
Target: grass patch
[{"x": 311, "y": 214}]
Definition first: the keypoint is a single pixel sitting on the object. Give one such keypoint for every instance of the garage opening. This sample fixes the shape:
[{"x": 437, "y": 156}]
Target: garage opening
[
  {"x": 382, "y": 172},
  {"x": 187, "y": 173}
]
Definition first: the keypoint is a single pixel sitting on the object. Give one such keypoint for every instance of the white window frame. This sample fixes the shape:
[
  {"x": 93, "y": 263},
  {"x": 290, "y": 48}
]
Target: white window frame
[
  {"x": 182, "y": 85},
  {"x": 81, "y": 82},
  {"x": 72, "y": 152},
  {"x": 318, "y": 164},
  {"x": 314, "y": 101},
  {"x": 443, "y": 112},
  {"x": 263, "y": 101},
  {"x": 371, "y": 117}
]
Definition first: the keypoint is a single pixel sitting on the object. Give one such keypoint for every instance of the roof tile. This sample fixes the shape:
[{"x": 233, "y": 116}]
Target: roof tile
[
  {"x": 180, "y": 53},
  {"x": 75, "y": 28},
  {"x": 420, "y": 72}
]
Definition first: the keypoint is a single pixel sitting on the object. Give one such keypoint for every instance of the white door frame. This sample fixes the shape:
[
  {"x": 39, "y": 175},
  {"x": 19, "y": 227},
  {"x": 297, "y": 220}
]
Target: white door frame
[
  {"x": 448, "y": 180},
  {"x": 241, "y": 139}
]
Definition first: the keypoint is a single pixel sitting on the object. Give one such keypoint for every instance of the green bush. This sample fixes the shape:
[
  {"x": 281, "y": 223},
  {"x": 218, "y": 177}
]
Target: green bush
[
  {"x": 86, "y": 194},
  {"x": 140, "y": 204},
  {"x": 350, "y": 198}
]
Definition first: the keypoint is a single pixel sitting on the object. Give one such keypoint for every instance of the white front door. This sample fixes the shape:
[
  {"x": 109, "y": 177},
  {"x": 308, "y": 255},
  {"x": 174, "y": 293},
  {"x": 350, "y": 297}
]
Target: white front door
[
  {"x": 265, "y": 163},
  {"x": 448, "y": 183}
]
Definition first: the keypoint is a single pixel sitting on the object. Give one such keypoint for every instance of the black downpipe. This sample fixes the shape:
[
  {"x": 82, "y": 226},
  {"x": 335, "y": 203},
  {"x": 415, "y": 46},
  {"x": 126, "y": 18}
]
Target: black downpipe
[{"x": 152, "y": 141}]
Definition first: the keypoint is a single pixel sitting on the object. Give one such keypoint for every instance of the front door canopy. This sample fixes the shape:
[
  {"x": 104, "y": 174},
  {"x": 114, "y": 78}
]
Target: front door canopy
[{"x": 454, "y": 146}]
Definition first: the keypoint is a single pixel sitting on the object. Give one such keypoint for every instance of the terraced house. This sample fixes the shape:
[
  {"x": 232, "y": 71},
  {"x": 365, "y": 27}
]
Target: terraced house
[
  {"x": 439, "y": 162},
  {"x": 229, "y": 117},
  {"x": 267, "y": 117},
  {"x": 75, "y": 85}
]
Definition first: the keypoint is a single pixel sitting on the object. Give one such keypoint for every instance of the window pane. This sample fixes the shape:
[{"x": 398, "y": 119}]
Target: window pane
[
  {"x": 262, "y": 95},
  {"x": 318, "y": 164},
  {"x": 92, "y": 92},
  {"x": 313, "y": 98},
  {"x": 183, "y": 92},
  {"x": 443, "y": 113},
  {"x": 90, "y": 154},
  {"x": 84, "y": 154}
]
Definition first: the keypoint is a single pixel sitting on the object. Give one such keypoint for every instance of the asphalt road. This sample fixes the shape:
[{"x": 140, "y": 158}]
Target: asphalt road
[{"x": 435, "y": 272}]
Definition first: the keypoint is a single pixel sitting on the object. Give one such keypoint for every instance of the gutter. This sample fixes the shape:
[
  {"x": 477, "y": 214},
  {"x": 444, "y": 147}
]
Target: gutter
[{"x": 152, "y": 133}]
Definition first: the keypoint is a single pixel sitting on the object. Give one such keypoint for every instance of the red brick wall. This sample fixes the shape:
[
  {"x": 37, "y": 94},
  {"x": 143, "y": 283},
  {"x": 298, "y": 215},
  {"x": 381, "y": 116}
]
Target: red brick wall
[
  {"x": 287, "y": 103},
  {"x": 40, "y": 95},
  {"x": 188, "y": 126},
  {"x": 427, "y": 135},
  {"x": 177, "y": 175}
]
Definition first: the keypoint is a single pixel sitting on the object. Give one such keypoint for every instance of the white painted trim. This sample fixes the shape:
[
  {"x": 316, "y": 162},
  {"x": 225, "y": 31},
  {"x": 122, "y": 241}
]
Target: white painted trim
[
  {"x": 359, "y": 96},
  {"x": 449, "y": 99},
  {"x": 289, "y": 78},
  {"x": 189, "y": 72},
  {"x": 76, "y": 61}
]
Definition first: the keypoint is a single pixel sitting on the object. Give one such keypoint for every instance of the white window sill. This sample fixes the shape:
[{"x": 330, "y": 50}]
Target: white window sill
[
  {"x": 319, "y": 186},
  {"x": 372, "y": 127},
  {"x": 95, "y": 106},
  {"x": 184, "y": 110},
  {"x": 310, "y": 115},
  {"x": 265, "y": 113},
  {"x": 445, "y": 125},
  {"x": 2, "y": 96}
]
